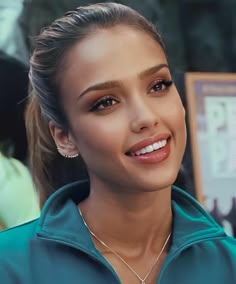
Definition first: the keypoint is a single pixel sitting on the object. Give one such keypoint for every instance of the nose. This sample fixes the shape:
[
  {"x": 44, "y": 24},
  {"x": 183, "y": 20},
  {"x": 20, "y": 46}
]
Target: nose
[{"x": 144, "y": 116}]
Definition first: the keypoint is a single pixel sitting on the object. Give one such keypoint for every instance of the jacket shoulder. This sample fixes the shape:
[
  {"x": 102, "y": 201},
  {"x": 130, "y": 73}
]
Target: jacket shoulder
[
  {"x": 229, "y": 243},
  {"x": 17, "y": 237}
]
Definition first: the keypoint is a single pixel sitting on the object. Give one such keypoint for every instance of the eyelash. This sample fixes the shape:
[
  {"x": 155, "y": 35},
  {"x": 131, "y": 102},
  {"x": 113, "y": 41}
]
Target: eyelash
[
  {"x": 101, "y": 102},
  {"x": 165, "y": 84}
]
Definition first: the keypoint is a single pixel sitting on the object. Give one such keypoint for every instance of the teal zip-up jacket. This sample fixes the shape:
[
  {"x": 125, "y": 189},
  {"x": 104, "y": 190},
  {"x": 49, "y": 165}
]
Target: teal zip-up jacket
[{"x": 57, "y": 247}]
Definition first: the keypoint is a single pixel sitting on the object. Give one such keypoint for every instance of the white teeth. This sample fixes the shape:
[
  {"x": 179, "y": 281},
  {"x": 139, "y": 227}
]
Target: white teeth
[
  {"x": 156, "y": 146},
  {"x": 143, "y": 151},
  {"x": 150, "y": 148}
]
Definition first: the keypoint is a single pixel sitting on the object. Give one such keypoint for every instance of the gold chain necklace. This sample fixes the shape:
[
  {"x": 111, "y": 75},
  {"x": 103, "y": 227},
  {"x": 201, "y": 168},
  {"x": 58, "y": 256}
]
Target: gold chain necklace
[{"x": 142, "y": 280}]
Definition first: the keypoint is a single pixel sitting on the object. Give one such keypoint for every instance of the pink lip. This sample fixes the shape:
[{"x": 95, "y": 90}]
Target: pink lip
[
  {"x": 138, "y": 146},
  {"x": 155, "y": 156}
]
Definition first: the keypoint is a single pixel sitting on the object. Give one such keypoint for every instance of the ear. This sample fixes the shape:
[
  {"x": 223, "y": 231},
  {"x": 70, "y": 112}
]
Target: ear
[{"x": 64, "y": 141}]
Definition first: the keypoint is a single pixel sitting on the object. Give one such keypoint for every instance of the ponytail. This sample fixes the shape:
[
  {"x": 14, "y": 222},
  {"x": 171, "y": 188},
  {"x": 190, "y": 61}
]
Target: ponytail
[{"x": 49, "y": 169}]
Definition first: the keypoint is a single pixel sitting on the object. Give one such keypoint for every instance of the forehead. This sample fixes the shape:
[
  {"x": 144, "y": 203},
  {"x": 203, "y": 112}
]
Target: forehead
[{"x": 111, "y": 54}]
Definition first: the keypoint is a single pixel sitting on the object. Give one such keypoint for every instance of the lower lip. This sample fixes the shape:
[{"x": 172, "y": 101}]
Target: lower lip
[{"x": 155, "y": 156}]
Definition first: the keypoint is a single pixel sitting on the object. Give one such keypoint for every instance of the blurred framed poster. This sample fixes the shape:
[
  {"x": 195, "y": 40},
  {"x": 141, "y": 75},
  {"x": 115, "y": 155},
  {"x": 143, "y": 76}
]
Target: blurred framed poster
[{"x": 211, "y": 101}]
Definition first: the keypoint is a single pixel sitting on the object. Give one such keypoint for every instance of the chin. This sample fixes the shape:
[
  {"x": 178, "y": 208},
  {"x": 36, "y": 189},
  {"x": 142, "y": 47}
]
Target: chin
[{"x": 160, "y": 181}]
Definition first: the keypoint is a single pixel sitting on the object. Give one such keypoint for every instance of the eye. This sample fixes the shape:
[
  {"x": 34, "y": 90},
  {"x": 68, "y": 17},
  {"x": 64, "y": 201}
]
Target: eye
[
  {"x": 104, "y": 103},
  {"x": 161, "y": 85}
]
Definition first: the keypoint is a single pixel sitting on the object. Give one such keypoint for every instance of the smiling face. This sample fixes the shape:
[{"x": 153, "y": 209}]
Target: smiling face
[{"x": 126, "y": 117}]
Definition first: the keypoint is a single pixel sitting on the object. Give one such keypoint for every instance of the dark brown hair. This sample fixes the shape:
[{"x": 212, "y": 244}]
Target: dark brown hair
[{"x": 49, "y": 169}]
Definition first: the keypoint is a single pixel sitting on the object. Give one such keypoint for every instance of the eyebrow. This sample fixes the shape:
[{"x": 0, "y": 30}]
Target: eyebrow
[{"x": 113, "y": 84}]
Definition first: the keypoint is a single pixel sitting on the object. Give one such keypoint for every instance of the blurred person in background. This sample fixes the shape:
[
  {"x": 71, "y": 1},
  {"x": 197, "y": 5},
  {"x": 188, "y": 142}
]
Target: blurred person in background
[{"x": 18, "y": 198}]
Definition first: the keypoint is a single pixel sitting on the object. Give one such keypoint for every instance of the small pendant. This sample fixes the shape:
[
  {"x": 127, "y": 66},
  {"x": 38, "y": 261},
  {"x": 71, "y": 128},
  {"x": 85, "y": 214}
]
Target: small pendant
[{"x": 143, "y": 282}]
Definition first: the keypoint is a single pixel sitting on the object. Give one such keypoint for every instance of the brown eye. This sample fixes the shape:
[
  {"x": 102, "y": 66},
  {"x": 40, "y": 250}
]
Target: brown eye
[
  {"x": 161, "y": 85},
  {"x": 103, "y": 103}
]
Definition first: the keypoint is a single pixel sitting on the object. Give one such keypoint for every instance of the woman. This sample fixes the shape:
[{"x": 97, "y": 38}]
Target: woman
[{"x": 102, "y": 88}]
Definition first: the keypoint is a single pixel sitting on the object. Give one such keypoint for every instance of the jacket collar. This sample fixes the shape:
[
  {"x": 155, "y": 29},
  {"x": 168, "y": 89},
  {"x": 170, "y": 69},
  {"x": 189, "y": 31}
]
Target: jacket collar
[
  {"x": 60, "y": 219},
  {"x": 191, "y": 222}
]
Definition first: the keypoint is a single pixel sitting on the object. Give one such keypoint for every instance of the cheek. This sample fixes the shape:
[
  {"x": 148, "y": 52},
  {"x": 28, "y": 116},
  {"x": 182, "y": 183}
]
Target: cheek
[
  {"x": 175, "y": 117},
  {"x": 99, "y": 135},
  {"x": 180, "y": 116},
  {"x": 180, "y": 127}
]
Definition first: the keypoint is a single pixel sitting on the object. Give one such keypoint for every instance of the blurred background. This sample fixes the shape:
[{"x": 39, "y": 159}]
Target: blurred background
[{"x": 200, "y": 36}]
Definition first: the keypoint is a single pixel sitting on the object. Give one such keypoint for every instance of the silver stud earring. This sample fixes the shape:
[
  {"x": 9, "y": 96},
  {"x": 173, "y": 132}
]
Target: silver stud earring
[{"x": 67, "y": 156}]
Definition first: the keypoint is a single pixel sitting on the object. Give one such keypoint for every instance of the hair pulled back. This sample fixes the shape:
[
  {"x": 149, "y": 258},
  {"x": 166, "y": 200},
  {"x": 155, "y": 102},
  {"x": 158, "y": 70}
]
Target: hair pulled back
[{"x": 49, "y": 169}]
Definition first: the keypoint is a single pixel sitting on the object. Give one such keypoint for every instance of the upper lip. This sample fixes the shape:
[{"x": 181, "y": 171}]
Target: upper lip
[{"x": 149, "y": 141}]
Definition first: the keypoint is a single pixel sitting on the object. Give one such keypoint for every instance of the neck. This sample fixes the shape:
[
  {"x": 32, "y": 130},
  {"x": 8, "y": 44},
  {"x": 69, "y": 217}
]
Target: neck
[{"x": 129, "y": 220}]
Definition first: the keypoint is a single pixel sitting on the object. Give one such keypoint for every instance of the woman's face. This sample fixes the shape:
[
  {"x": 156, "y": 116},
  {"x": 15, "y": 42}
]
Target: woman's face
[{"x": 127, "y": 120}]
